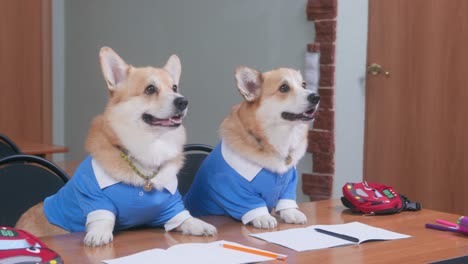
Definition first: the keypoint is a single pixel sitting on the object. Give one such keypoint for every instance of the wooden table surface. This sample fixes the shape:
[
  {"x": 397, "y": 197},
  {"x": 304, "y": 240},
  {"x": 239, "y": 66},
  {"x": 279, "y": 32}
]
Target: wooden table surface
[
  {"x": 425, "y": 245},
  {"x": 40, "y": 149}
]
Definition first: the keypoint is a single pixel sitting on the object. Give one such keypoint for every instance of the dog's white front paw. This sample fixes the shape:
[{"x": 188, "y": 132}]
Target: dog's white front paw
[
  {"x": 99, "y": 233},
  {"x": 293, "y": 216},
  {"x": 98, "y": 238},
  {"x": 265, "y": 222},
  {"x": 197, "y": 227}
]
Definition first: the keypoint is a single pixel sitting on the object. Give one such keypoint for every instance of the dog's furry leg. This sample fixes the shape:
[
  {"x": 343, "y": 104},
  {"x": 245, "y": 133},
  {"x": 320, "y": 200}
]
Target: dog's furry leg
[
  {"x": 35, "y": 222},
  {"x": 293, "y": 216},
  {"x": 99, "y": 227},
  {"x": 197, "y": 227},
  {"x": 265, "y": 222}
]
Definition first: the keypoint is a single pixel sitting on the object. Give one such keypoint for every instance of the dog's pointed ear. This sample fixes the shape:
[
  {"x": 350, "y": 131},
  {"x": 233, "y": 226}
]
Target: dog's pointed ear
[
  {"x": 249, "y": 82},
  {"x": 173, "y": 66},
  {"x": 114, "y": 68}
]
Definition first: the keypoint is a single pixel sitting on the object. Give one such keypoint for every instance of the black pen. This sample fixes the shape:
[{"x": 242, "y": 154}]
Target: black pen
[{"x": 345, "y": 237}]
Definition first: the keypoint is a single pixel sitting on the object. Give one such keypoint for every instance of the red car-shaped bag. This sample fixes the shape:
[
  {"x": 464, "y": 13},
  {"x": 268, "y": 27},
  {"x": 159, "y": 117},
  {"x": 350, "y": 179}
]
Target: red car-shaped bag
[{"x": 20, "y": 247}]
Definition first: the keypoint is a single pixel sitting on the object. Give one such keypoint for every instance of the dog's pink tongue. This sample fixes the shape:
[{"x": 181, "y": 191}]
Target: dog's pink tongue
[
  {"x": 310, "y": 113},
  {"x": 165, "y": 122}
]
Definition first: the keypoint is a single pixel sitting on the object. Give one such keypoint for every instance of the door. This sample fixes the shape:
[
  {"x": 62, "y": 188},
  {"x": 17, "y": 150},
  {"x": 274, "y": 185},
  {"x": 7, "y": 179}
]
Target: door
[
  {"x": 25, "y": 70},
  {"x": 416, "y": 128}
]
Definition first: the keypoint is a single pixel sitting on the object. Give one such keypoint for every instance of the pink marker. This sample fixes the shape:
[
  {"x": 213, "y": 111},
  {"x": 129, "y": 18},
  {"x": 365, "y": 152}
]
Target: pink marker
[{"x": 443, "y": 222}]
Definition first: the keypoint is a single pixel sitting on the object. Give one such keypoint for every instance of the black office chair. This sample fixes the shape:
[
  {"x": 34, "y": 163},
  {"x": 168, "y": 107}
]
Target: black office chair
[
  {"x": 7, "y": 147},
  {"x": 26, "y": 180},
  {"x": 194, "y": 156}
]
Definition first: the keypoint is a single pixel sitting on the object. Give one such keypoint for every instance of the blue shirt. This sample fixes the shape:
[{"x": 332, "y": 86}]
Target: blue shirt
[
  {"x": 219, "y": 189},
  {"x": 131, "y": 205}
]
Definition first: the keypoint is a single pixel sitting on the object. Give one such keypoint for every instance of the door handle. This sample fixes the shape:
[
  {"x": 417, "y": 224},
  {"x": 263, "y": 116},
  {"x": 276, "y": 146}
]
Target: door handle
[{"x": 376, "y": 69}]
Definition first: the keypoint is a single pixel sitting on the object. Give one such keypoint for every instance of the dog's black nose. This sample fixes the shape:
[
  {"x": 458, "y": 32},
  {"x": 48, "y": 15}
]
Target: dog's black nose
[
  {"x": 313, "y": 98},
  {"x": 180, "y": 103}
]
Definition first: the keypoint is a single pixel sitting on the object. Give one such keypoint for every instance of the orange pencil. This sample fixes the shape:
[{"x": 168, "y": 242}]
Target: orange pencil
[{"x": 255, "y": 251}]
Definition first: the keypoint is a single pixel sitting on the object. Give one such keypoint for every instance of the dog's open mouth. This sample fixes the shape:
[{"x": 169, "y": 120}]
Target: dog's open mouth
[
  {"x": 173, "y": 121},
  {"x": 306, "y": 116}
]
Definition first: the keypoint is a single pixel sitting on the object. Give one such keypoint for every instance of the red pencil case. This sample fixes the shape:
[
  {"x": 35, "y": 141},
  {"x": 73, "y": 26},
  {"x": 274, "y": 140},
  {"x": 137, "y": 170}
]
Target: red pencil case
[{"x": 375, "y": 199}]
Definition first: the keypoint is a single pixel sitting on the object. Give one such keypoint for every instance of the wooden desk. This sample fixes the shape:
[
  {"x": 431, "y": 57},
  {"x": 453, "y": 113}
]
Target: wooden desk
[
  {"x": 39, "y": 149},
  {"x": 425, "y": 246}
]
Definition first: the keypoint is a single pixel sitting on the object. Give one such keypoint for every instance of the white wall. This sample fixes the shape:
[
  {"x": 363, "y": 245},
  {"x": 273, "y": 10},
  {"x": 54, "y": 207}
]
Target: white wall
[
  {"x": 58, "y": 74},
  {"x": 212, "y": 37},
  {"x": 351, "y": 46}
]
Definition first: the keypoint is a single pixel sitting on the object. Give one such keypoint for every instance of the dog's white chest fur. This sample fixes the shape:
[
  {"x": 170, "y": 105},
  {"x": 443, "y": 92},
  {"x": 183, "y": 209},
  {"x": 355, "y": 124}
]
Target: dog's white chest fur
[
  {"x": 151, "y": 151},
  {"x": 288, "y": 140}
]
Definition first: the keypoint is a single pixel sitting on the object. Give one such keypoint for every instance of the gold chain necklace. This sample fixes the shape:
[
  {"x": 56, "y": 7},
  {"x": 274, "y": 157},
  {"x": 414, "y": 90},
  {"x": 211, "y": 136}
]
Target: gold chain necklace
[
  {"x": 148, "y": 186},
  {"x": 259, "y": 142},
  {"x": 288, "y": 158}
]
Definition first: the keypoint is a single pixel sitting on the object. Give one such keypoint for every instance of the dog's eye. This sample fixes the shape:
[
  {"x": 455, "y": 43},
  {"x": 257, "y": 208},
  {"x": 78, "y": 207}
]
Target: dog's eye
[
  {"x": 150, "y": 90},
  {"x": 284, "y": 88},
  {"x": 303, "y": 85},
  {"x": 174, "y": 88}
]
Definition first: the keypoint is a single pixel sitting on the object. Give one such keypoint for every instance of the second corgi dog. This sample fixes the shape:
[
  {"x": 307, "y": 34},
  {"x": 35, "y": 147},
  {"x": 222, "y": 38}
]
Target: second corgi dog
[
  {"x": 253, "y": 169},
  {"x": 136, "y": 150}
]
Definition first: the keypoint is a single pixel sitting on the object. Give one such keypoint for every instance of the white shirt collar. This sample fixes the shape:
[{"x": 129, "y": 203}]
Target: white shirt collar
[
  {"x": 244, "y": 167},
  {"x": 104, "y": 180},
  {"x": 171, "y": 186}
]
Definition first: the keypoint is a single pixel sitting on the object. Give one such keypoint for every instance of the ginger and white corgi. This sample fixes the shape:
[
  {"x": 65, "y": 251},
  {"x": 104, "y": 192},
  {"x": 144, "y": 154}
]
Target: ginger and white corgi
[
  {"x": 253, "y": 168},
  {"x": 136, "y": 150}
]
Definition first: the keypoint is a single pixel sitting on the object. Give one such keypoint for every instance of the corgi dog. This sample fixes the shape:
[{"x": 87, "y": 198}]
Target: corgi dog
[
  {"x": 253, "y": 169},
  {"x": 135, "y": 152}
]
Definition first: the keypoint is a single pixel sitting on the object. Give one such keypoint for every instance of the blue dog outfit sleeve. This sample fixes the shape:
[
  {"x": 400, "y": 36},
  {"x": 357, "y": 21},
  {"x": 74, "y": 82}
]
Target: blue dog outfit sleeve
[
  {"x": 81, "y": 195},
  {"x": 235, "y": 196},
  {"x": 227, "y": 184},
  {"x": 91, "y": 189}
]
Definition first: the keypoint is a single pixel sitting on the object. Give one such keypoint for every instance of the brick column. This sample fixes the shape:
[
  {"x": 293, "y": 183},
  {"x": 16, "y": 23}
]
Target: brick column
[{"x": 318, "y": 184}]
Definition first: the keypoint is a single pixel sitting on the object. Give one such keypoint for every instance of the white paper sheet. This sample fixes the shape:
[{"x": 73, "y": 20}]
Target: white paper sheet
[
  {"x": 205, "y": 253},
  {"x": 301, "y": 239}
]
